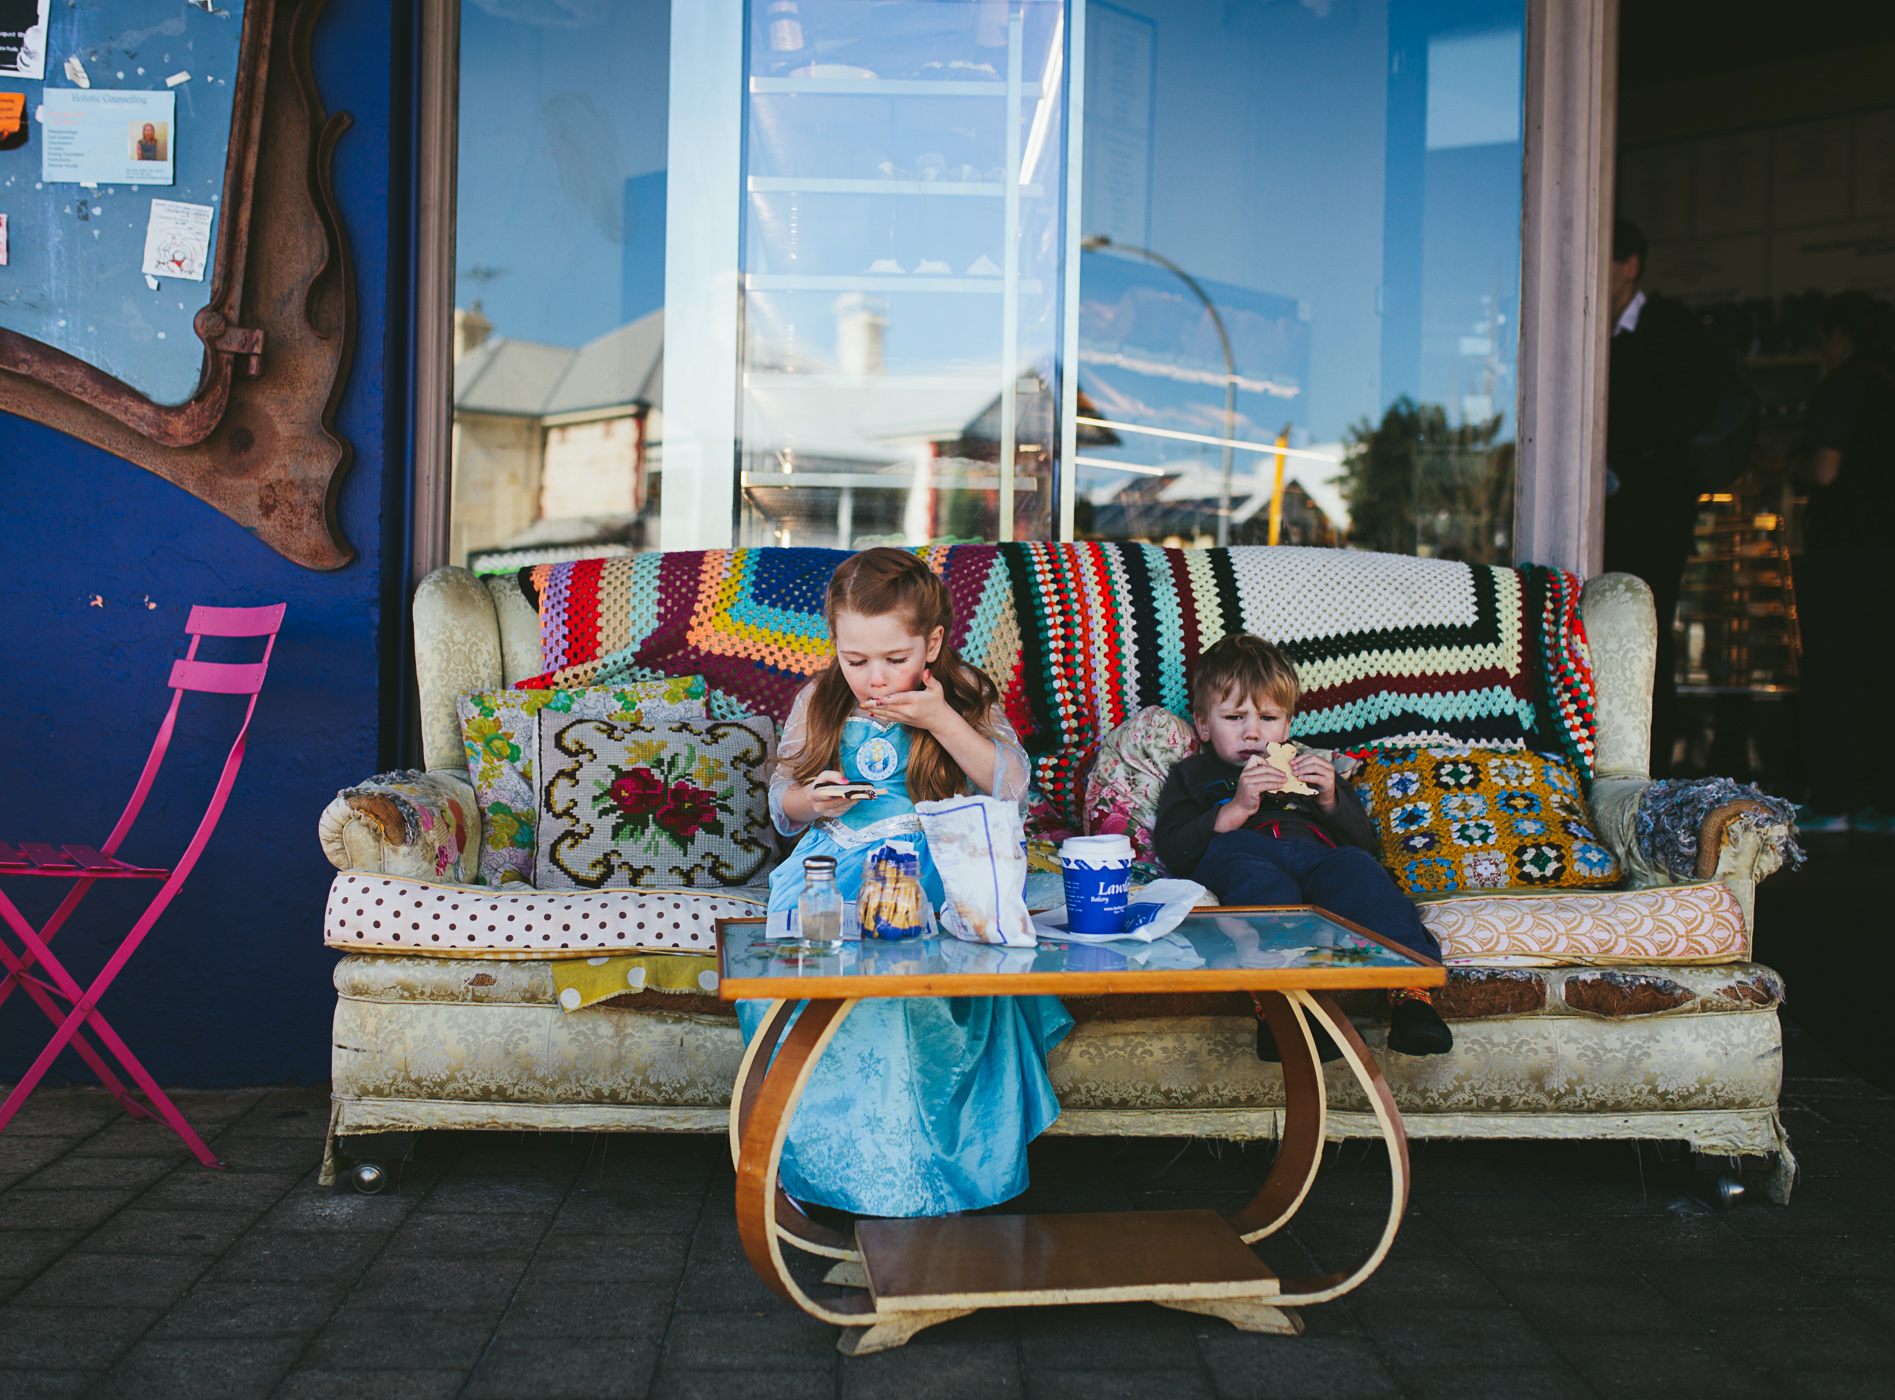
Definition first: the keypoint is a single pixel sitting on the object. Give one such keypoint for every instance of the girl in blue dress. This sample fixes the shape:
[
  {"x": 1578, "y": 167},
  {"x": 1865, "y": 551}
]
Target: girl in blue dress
[{"x": 919, "y": 1106}]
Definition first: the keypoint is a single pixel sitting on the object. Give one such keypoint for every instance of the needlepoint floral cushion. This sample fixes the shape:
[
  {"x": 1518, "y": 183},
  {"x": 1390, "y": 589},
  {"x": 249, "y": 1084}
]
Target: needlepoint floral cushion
[
  {"x": 684, "y": 802},
  {"x": 1464, "y": 819},
  {"x": 1134, "y": 761},
  {"x": 500, "y": 729}
]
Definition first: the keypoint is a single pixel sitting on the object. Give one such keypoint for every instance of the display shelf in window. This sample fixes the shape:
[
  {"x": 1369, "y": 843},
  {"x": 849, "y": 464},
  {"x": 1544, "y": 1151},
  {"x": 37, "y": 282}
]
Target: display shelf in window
[
  {"x": 901, "y": 271},
  {"x": 1736, "y": 622}
]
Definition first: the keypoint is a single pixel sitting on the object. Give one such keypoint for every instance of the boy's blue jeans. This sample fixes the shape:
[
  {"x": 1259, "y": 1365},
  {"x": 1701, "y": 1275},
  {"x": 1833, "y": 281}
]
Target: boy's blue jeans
[{"x": 1254, "y": 867}]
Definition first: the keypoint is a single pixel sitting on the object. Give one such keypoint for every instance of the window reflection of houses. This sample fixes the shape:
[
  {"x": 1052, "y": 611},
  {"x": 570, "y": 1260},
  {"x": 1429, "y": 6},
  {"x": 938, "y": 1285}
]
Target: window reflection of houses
[{"x": 555, "y": 449}]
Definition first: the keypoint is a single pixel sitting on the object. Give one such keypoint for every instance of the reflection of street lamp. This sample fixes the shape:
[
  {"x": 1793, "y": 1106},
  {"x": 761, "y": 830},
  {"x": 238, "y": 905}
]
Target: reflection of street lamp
[{"x": 1092, "y": 243}]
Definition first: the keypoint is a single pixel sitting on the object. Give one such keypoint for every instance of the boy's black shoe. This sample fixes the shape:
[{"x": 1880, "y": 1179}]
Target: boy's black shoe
[
  {"x": 1416, "y": 1028},
  {"x": 1326, "y": 1048}
]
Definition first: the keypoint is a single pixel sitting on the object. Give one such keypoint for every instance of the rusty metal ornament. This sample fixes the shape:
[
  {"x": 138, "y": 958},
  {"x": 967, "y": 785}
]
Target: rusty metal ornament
[{"x": 257, "y": 441}]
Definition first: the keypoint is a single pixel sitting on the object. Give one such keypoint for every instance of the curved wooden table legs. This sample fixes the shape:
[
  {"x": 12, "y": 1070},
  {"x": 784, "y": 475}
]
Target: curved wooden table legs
[{"x": 921, "y": 1272}]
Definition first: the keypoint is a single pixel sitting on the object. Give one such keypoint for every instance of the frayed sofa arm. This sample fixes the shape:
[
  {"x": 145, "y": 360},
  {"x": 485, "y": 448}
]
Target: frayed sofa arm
[
  {"x": 1667, "y": 832},
  {"x": 422, "y": 825}
]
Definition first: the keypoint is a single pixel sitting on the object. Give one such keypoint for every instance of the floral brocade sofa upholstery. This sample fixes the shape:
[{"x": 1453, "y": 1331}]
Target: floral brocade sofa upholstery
[{"x": 1628, "y": 1012}]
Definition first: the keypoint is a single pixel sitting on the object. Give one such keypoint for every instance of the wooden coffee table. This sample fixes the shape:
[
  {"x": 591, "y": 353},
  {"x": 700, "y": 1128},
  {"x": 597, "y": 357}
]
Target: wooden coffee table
[{"x": 920, "y": 1272}]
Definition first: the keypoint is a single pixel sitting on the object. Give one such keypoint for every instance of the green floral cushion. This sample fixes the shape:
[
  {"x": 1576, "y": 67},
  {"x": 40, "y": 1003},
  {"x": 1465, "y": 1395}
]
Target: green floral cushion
[
  {"x": 1461, "y": 818},
  {"x": 681, "y": 802},
  {"x": 500, "y": 729}
]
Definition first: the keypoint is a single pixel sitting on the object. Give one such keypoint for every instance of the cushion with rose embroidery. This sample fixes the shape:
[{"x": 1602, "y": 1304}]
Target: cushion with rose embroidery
[
  {"x": 679, "y": 802},
  {"x": 1468, "y": 819},
  {"x": 500, "y": 730}
]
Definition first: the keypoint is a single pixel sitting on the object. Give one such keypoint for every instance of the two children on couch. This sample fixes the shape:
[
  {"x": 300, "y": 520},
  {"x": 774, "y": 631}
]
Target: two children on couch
[{"x": 925, "y": 1106}]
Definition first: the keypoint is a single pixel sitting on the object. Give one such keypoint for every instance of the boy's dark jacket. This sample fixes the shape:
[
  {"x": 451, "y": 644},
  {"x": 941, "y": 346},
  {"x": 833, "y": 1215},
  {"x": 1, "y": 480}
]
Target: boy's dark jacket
[{"x": 1199, "y": 786}]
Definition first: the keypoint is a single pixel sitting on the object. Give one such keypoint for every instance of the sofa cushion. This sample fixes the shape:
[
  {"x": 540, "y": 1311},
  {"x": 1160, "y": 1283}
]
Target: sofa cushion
[
  {"x": 686, "y": 802},
  {"x": 385, "y": 914},
  {"x": 1134, "y": 761},
  {"x": 1465, "y": 818},
  {"x": 500, "y": 732},
  {"x": 1700, "y": 922}
]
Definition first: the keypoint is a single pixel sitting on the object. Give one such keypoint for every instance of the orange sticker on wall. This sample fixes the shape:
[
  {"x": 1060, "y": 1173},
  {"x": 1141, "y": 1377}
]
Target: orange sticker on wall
[{"x": 12, "y": 112}]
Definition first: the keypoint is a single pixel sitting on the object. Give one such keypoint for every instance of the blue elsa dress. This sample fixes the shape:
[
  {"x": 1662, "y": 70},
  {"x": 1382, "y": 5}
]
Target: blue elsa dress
[{"x": 920, "y": 1105}]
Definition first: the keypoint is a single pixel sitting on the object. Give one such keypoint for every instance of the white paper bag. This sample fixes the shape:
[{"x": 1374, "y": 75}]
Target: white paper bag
[{"x": 979, "y": 847}]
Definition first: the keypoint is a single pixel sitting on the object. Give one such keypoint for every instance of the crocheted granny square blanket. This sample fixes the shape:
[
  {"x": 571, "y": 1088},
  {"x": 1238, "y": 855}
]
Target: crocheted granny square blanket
[{"x": 1392, "y": 651}]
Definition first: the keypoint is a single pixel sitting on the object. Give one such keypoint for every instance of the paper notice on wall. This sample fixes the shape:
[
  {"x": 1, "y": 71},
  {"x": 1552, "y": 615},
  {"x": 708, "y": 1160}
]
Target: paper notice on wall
[
  {"x": 102, "y": 137},
  {"x": 3, "y": 240},
  {"x": 177, "y": 240},
  {"x": 23, "y": 38}
]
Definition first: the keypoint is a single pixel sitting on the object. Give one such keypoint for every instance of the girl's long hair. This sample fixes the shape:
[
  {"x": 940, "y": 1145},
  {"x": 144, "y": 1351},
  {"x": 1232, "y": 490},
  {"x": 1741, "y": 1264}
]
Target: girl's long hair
[{"x": 875, "y": 583}]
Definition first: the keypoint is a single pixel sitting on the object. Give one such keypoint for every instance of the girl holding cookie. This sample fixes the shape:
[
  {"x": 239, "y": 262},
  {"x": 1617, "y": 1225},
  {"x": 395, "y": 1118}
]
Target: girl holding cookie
[{"x": 919, "y": 1106}]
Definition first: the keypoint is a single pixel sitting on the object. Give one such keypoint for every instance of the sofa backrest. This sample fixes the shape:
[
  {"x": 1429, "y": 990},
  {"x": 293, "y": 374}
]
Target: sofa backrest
[{"x": 1391, "y": 650}]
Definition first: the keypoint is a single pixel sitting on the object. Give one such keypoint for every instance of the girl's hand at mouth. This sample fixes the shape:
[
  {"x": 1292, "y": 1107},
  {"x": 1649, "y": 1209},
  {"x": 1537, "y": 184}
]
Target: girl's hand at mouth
[{"x": 926, "y": 708}]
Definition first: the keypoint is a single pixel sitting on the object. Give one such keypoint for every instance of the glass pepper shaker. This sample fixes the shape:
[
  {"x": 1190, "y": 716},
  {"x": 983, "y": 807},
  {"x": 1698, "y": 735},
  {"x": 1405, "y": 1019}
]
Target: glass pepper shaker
[{"x": 819, "y": 911}]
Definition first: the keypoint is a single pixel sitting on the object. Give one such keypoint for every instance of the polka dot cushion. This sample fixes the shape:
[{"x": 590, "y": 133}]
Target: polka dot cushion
[
  {"x": 371, "y": 913},
  {"x": 1471, "y": 819}
]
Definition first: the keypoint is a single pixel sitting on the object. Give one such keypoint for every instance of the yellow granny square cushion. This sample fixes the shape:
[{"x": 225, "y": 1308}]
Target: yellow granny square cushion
[{"x": 1468, "y": 819}]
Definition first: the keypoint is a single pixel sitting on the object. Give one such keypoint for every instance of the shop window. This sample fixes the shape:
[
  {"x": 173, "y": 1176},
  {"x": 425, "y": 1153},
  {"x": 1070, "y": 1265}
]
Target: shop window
[
  {"x": 1299, "y": 284},
  {"x": 904, "y": 180},
  {"x": 558, "y": 399}
]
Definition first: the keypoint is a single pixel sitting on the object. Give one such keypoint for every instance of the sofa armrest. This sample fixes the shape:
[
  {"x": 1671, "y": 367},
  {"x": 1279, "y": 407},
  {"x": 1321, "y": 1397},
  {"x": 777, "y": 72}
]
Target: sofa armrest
[
  {"x": 1738, "y": 842},
  {"x": 424, "y": 826}
]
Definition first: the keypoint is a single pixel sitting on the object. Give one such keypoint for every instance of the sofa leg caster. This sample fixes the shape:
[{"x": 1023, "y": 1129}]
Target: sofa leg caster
[
  {"x": 368, "y": 1177},
  {"x": 1730, "y": 1190}
]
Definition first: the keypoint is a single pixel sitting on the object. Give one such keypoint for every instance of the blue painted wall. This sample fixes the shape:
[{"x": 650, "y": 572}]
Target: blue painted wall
[{"x": 104, "y": 561}]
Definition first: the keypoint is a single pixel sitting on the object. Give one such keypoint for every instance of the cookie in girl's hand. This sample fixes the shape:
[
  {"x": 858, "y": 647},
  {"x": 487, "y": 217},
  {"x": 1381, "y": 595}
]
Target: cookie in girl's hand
[{"x": 1281, "y": 756}]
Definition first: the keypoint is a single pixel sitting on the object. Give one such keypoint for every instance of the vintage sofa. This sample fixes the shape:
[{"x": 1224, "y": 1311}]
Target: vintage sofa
[{"x": 1609, "y": 1046}]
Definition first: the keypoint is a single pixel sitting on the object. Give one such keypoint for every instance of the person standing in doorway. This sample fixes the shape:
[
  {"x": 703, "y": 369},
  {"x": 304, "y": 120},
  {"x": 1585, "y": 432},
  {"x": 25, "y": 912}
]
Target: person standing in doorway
[
  {"x": 1661, "y": 392},
  {"x": 1841, "y": 579}
]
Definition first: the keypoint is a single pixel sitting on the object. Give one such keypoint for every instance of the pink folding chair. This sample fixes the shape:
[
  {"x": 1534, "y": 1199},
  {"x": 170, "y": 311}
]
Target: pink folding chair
[{"x": 71, "y": 1008}]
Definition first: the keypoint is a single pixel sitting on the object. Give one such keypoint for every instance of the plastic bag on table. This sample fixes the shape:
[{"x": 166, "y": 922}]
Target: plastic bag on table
[{"x": 979, "y": 849}]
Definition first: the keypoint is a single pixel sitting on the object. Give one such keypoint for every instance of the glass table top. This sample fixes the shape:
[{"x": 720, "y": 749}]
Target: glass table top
[{"x": 1212, "y": 950}]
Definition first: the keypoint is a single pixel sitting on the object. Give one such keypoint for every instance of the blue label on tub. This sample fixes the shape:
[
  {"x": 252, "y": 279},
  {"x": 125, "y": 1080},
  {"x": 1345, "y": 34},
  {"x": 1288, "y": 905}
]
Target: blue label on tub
[{"x": 1095, "y": 899}]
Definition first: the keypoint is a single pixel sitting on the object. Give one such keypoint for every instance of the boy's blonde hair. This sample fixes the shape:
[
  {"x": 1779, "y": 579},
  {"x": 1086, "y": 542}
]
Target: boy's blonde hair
[{"x": 1250, "y": 666}]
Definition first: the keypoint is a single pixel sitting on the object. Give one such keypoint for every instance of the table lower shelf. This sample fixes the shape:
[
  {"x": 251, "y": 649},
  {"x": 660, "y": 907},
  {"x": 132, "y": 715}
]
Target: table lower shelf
[{"x": 1010, "y": 1261}]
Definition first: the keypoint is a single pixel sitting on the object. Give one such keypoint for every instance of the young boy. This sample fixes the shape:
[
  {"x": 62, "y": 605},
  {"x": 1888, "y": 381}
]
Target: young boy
[{"x": 1225, "y": 821}]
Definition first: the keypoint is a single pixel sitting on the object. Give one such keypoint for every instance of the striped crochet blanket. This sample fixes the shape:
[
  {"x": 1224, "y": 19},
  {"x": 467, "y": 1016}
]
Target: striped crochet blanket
[{"x": 1392, "y": 651}]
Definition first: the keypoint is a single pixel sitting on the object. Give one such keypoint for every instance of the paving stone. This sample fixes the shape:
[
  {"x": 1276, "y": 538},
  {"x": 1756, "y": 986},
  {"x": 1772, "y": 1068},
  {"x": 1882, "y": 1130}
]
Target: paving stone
[
  {"x": 99, "y": 1174},
  {"x": 1118, "y": 1385},
  {"x": 456, "y": 1285},
  {"x": 60, "y": 1210},
  {"x": 311, "y": 1207},
  {"x": 1597, "y": 1305},
  {"x": 574, "y": 1258},
  {"x": 1668, "y": 1366},
  {"x": 542, "y": 1309},
  {"x": 564, "y": 1368},
  {"x": 229, "y": 1307},
  {"x": 45, "y": 1385},
  {"x": 370, "y": 1338},
  {"x": 189, "y": 1369},
  {"x": 1127, "y": 1336},
  {"x": 745, "y": 1385},
  {"x": 945, "y": 1362},
  {"x": 313, "y": 1257},
  {"x": 782, "y": 1339},
  {"x": 465, "y": 1237},
  {"x": 1484, "y": 1382},
  {"x": 68, "y": 1338},
  {"x": 26, "y": 1252},
  {"x": 1414, "y": 1337},
  {"x": 114, "y": 1280},
  {"x": 1794, "y": 1338},
  {"x": 268, "y": 1155},
  {"x": 136, "y": 1137},
  {"x": 323, "y": 1384},
  {"x": 595, "y": 1211},
  {"x": 715, "y": 1281},
  {"x": 1250, "y": 1366},
  {"x": 193, "y": 1188},
  {"x": 138, "y": 1231},
  {"x": 1834, "y": 1385}
]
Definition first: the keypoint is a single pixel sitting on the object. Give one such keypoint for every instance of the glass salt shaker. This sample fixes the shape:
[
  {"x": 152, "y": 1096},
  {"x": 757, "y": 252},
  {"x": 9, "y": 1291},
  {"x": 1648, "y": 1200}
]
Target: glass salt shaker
[{"x": 819, "y": 911}]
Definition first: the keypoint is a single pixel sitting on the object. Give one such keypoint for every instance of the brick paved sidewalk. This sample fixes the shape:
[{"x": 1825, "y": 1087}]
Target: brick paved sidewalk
[{"x": 551, "y": 1266}]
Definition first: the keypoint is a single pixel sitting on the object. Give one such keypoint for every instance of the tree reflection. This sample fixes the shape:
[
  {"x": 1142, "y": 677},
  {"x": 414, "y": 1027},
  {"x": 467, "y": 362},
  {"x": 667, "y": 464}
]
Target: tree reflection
[{"x": 1416, "y": 485}]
